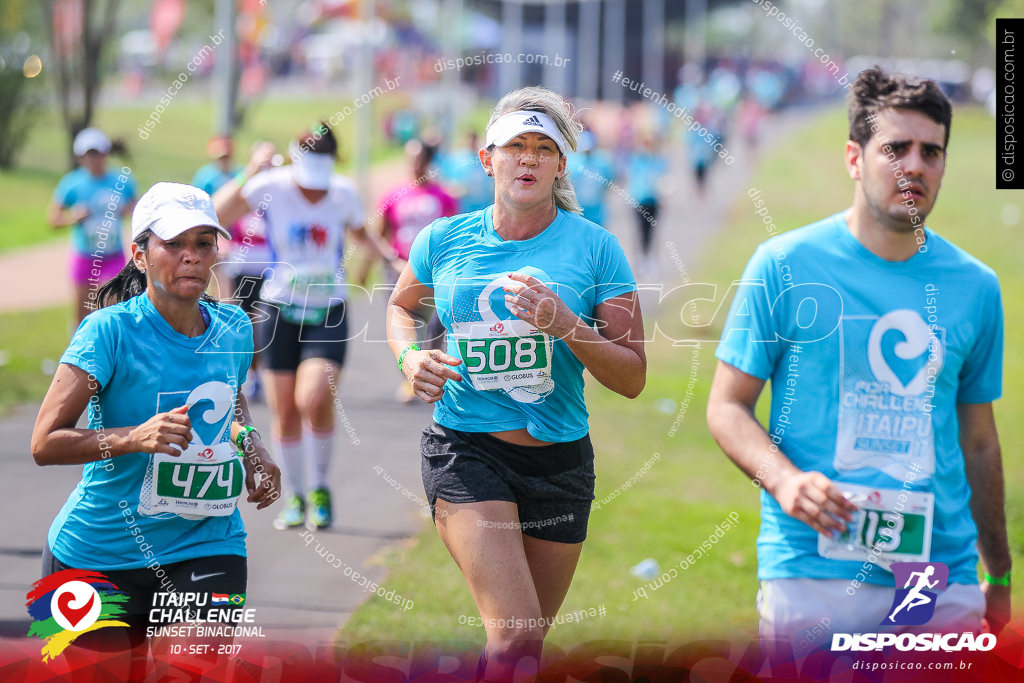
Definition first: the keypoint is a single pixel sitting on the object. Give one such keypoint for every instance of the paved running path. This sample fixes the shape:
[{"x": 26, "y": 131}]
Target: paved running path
[{"x": 296, "y": 593}]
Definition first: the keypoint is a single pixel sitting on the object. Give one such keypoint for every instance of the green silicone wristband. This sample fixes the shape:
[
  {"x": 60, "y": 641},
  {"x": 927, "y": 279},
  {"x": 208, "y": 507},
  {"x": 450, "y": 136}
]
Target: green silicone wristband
[
  {"x": 407, "y": 349},
  {"x": 241, "y": 178},
  {"x": 246, "y": 430},
  {"x": 998, "y": 580}
]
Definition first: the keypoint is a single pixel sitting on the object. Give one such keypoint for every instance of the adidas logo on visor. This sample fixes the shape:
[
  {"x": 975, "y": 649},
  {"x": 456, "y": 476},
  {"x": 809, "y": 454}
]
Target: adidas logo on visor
[{"x": 533, "y": 121}]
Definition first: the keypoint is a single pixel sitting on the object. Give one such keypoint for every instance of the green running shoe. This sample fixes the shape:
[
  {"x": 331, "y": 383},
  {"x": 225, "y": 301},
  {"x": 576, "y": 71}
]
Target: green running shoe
[
  {"x": 293, "y": 514},
  {"x": 320, "y": 515}
]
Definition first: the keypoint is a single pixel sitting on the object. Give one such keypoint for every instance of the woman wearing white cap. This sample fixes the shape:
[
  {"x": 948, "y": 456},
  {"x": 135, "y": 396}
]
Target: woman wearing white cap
[
  {"x": 308, "y": 212},
  {"x": 508, "y": 463},
  {"x": 158, "y": 367},
  {"x": 92, "y": 200}
]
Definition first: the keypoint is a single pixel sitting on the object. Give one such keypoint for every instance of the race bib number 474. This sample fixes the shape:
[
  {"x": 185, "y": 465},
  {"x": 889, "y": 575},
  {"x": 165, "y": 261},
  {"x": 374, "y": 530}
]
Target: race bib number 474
[{"x": 204, "y": 481}]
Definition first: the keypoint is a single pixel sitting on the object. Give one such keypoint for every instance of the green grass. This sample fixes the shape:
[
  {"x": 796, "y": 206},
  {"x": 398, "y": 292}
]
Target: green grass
[
  {"x": 26, "y": 341},
  {"x": 671, "y": 510},
  {"x": 173, "y": 150}
]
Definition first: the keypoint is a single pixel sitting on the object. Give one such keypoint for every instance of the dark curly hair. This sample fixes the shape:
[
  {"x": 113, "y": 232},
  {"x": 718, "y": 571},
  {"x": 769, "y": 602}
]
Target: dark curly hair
[{"x": 875, "y": 90}]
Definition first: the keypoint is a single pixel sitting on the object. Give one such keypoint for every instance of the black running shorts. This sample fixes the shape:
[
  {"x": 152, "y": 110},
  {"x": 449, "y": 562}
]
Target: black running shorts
[{"x": 552, "y": 485}]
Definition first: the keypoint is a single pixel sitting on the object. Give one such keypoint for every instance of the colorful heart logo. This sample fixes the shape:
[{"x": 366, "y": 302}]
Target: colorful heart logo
[
  {"x": 72, "y": 614},
  {"x": 75, "y": 605}
]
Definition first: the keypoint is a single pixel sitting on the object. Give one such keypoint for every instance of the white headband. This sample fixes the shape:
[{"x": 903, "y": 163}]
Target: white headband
[
  {"x": 312, "y": 170},
  {"x": 519, "y": 122}
]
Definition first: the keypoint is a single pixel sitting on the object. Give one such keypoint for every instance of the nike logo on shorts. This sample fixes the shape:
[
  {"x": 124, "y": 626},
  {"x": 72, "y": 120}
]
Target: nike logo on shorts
[{"x": 200, "y": 577}]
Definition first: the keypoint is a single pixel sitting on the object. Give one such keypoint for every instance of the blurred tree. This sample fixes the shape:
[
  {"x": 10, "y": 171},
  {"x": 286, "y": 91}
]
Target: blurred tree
[
  {"x": 967, "y": 19},
  {"x": 20, "y": 96},
  {"x": 78, "y": 33},
  {"x": 1004, "y": 9}
]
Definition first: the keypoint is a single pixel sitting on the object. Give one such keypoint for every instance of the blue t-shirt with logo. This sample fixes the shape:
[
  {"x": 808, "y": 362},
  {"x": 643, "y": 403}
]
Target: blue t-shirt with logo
[
  {"x": 868, "y": 359},
  {"x": 465, "y": 261},
  {"x": 142, "y": 367},
  {"x": 106, "y": 199}
]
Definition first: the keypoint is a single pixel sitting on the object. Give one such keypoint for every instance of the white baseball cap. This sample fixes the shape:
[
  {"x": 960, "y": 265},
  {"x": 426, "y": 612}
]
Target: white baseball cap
[
  {"x": 169, "y": 209},
  {"x": 312, "y": 170},
  {"x": 519, "y": 122},
  {"x": 90, "y": 138}
]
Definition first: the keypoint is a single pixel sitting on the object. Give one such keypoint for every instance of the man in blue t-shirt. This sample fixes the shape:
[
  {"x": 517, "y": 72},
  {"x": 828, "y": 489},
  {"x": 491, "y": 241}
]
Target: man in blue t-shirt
[{"x": 883, "y": 343}]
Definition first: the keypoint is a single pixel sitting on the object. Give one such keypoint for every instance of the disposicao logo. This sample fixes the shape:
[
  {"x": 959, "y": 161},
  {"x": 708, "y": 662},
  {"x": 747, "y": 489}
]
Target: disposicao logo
[
  {"x": 69, "y": 603},
  {"x": 914, "y": 605}
]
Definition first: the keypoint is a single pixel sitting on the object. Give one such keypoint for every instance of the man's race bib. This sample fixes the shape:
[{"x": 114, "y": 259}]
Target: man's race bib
[
  {"x": 885, "y": 527},
  {"x": 505, "y": 354},
  {"x": 204, "y": 481}
]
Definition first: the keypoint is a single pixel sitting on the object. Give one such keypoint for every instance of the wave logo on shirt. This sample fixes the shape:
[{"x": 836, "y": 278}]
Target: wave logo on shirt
[
  {"x": 526, "y": 394},
  {"x": 69, "y": 603},
  {"x": 914, "y": 604},
  {"x": 903, "y": 352}
]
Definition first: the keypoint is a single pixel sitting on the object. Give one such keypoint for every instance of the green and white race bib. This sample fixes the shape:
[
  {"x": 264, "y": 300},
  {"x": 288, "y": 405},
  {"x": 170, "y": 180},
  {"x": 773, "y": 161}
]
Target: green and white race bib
[
  {"x": 505, "y": 354},
  {"x": 302, "y": 283},
  {"x": 892, "y": 525},
  {"x": 204, "y": 481}
]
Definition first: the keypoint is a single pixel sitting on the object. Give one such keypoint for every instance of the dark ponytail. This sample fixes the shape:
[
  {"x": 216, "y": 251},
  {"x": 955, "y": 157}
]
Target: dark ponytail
[
  {"x": 130, "y": 282},
  {"x": 118, "y": 147}
]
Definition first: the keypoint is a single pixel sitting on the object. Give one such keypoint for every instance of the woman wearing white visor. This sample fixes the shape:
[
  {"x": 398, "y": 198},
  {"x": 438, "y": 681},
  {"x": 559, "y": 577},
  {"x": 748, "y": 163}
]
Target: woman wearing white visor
[
  {"x": 519, "y": 286},
  {"x": 308, "y": 211},
  {"x": 158, "y": 369}
]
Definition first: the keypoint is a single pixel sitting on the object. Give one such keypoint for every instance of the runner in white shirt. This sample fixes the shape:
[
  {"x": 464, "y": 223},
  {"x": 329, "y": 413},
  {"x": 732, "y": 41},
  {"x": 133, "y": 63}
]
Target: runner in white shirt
[{"x": 308, "y": 211}]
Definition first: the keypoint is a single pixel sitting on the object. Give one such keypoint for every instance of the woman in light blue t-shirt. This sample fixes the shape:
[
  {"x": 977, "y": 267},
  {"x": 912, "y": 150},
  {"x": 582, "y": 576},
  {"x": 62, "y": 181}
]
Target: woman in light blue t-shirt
[
  {"x": 158, "y": 368},
  {"x": 508, "y": 466}
]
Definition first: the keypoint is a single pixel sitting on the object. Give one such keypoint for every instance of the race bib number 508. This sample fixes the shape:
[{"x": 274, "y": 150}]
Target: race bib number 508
[{"x": 505, "y": 355}]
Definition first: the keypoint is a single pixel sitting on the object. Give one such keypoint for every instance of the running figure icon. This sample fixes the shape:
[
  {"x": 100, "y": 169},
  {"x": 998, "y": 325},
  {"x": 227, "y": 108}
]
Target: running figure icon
[{"x": 915, "y": 598}]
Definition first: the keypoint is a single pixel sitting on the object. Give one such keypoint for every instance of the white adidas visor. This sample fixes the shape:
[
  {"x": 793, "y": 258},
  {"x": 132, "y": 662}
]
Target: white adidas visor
[
  {"x": 312, "y": 171},
  {"x": 518, "y": 122}
]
